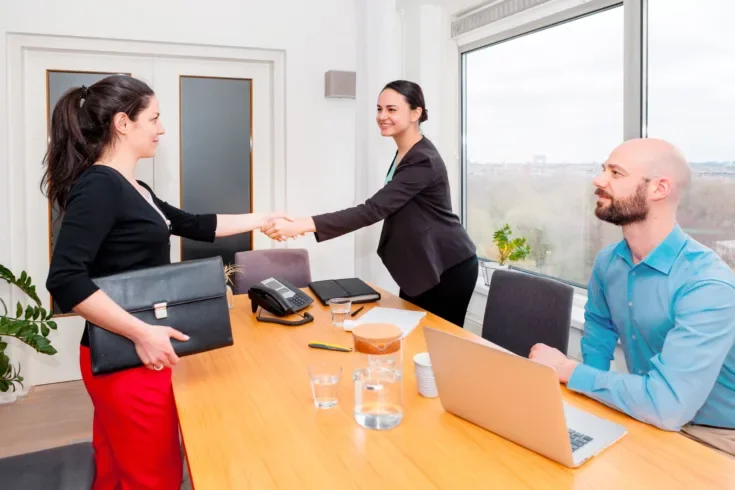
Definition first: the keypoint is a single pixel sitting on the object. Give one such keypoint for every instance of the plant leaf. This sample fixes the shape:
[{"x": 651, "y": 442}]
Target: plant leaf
[
  {"x": 6, "y": 275},
  {"x": 47, "y": 349},
  {"x": 31, "y": 327},
  {"x": 4, "y": 364}
]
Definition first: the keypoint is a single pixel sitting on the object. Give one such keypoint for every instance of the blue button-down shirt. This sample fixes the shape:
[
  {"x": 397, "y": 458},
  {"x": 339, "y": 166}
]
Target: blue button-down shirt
[{"x": 674, "y": 313}]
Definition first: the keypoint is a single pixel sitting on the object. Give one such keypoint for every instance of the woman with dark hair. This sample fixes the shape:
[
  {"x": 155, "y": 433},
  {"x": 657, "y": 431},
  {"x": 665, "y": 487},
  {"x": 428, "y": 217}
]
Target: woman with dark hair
[
  {"x": 423, "y": 244},
  {"x": 114, "y": 223}
]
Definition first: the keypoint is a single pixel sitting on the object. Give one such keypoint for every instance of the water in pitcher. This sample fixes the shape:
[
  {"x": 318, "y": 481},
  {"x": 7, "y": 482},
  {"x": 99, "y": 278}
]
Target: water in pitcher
[{"x": 378, "y": 397}]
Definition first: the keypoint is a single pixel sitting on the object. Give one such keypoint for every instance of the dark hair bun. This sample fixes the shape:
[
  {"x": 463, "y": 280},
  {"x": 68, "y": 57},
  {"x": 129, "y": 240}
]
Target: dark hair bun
[{"x": 412, "y": 94}]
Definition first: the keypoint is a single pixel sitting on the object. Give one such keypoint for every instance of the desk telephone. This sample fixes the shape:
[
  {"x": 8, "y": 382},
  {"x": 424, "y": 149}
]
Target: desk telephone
[{"x": 281, "y": 298}]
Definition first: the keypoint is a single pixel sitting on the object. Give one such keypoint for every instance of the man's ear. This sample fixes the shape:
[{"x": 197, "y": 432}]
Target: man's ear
[{"x": 662, "y": 187}]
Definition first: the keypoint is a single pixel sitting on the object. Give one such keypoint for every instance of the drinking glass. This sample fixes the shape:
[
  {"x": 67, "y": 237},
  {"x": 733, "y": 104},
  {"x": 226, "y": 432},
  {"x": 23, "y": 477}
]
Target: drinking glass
[
  {"x": 340, "y": 308},
  {"x": 325, "y": 383}
]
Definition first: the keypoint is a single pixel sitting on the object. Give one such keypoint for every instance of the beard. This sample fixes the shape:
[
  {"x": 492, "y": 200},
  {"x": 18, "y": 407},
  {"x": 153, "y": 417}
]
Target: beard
[{"x": 623, "y": 211}]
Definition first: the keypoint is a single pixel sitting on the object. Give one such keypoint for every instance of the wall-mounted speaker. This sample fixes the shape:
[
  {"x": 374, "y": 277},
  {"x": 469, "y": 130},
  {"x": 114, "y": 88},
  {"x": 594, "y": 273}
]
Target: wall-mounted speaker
[{"x": 340, "y": 84}]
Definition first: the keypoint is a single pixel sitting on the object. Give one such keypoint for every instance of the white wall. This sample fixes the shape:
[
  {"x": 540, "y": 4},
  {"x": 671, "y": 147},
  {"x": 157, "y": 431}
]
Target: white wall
[
  {"x": 379, "y": 60},
  {"x": 316, "y": 37}
]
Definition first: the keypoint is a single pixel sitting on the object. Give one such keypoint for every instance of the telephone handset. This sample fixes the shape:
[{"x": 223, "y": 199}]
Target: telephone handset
[{"x": 281, "y": 298}]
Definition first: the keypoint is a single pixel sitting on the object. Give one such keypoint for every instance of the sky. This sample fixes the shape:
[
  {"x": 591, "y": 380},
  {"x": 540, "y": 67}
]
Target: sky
[{"x": 559, "y": 92}]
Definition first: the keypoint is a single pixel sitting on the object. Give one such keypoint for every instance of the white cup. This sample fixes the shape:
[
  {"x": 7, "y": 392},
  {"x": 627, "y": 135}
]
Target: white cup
[{"x": 425, "y": 375}]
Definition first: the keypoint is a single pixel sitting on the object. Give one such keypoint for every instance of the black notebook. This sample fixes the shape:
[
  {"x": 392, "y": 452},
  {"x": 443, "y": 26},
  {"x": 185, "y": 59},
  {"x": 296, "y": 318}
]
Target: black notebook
[{"x": 353, "y": 288}]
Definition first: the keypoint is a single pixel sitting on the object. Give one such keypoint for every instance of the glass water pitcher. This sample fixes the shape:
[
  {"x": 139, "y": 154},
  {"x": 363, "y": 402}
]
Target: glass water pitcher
[{"x": 378, "y": 378}]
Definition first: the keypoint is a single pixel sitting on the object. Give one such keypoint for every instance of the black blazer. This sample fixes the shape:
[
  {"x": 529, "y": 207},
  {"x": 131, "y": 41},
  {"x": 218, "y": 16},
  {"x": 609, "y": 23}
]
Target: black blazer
[{"x": 421, "y": 236}]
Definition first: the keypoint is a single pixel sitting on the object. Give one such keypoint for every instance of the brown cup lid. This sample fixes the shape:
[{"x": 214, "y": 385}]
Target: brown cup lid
[{"x": 377, "y": 338}]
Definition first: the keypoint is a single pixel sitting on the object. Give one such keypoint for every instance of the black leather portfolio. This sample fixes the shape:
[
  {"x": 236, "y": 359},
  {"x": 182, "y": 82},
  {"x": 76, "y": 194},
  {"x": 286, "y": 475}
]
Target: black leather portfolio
[
  {"x": 353, "y": 288},
  {"x": 188, "y": 296}
]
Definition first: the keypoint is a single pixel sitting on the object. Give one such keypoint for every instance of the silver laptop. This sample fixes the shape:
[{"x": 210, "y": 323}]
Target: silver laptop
[{"x": 516, "y": 398}]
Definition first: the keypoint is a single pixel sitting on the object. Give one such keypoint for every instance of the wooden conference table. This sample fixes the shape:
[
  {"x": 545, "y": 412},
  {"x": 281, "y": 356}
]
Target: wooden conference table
[{"x": 248, "y": 421}]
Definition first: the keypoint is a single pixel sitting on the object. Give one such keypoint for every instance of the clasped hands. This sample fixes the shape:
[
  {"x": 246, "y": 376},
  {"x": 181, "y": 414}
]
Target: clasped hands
[{"x": 280, "y": 227}]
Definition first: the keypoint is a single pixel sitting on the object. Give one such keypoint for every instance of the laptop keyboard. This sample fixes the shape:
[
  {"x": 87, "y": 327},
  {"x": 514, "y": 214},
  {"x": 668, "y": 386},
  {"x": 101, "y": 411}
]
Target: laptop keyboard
[{"x": 578, "y": 439}]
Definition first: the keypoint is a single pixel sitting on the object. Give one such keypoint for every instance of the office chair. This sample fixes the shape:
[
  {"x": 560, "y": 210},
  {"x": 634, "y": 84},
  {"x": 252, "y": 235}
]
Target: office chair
[
  {"x": 68, "y": 467},
  {"x": 523, "y": 309},
  {"x": 291, "y": 264}
]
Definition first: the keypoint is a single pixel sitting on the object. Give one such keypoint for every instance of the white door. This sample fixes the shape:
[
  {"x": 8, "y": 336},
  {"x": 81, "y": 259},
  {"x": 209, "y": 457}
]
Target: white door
[
  {"x": 46, "y": 76},
  {"x": 205, "y": 100}
]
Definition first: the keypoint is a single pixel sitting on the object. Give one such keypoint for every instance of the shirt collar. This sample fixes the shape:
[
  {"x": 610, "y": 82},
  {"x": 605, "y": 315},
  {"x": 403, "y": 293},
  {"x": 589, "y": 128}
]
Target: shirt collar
[{"x": 663, "y": 256}]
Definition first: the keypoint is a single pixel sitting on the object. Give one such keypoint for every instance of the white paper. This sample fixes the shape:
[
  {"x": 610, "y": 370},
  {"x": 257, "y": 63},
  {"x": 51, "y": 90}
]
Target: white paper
[{"x": 406, "y": 320}]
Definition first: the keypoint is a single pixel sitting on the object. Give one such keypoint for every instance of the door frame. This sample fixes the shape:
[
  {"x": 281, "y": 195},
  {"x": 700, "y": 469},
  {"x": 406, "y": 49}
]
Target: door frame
[{"x": 20, "y": 43}]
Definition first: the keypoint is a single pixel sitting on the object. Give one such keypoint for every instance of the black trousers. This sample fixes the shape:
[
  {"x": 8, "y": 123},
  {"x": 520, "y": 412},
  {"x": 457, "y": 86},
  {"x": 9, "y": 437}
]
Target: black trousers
[{"x": 450, "y": 298}]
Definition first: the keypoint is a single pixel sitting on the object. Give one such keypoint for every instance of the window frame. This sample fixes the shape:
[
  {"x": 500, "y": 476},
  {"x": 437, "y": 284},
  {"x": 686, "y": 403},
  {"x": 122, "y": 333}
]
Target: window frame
[{"x": 634, "y": 78}]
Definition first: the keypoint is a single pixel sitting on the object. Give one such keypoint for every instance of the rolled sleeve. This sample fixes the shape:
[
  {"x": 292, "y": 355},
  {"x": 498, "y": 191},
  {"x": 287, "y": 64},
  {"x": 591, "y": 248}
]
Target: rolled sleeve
[{"x": 583, "y": 378}]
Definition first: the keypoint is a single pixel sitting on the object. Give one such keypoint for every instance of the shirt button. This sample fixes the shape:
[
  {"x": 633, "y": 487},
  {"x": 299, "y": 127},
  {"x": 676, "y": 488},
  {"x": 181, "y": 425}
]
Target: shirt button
[
  {"x": 630, "y": 304},
  {"x": 632, "y": 336},
  {"x": 632, "y": 273}
]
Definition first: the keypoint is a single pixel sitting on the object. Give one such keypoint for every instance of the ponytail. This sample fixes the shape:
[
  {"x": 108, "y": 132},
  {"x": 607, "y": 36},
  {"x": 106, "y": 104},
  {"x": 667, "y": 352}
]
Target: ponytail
[
  {"x": 67, "y": 155},
  {"x": 82, "y": 128}
]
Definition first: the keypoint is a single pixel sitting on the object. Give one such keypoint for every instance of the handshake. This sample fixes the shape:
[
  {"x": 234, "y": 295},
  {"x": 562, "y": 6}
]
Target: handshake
[{"x": 281, "y": 227}]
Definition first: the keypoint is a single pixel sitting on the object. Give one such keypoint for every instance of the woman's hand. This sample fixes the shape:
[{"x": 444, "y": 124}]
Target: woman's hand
[
  {"x": 282, "y": 229},
  {"x": 274, "y": 215},
  {"x": 154, "y": 347}
]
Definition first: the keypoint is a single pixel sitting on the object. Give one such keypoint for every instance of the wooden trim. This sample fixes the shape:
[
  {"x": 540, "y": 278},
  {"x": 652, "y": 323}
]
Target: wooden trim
[
  {"x": 252, "y": 150},
  {"x": 181, "y": 154},
  {"x": 181, "y": 158}
]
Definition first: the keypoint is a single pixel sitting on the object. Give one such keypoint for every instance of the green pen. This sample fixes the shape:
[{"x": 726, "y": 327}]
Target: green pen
[{"x": 322, "y": 345}]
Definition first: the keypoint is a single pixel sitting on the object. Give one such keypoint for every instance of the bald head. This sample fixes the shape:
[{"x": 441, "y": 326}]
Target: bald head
[{"x": 654, "y": 159}]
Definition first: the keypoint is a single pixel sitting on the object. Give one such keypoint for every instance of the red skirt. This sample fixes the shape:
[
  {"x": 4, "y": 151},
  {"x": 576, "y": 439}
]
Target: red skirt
[{"x": 136, "y": 428}]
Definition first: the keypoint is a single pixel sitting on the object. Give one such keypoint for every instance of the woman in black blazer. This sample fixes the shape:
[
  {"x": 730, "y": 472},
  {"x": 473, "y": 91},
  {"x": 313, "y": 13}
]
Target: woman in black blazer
[{"x": 423, "y": 244}]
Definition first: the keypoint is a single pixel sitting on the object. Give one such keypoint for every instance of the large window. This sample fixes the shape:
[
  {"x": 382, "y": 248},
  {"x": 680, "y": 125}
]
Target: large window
[
  {"x": 543, "y": 110},
  {"x": 542, "y": 113},
  {"x": 691, "y": 102}
]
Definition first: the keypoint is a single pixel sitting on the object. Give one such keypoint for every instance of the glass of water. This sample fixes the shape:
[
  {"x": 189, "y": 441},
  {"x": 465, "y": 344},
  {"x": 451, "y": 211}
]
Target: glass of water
[
  {"x": 340, "y": 308},
  {"x": 325, "y": 378}
]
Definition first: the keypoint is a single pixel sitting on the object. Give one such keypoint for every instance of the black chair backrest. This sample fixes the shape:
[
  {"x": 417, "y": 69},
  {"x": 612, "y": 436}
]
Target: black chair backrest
[
  {"x": 68, "y": 467},
  {"x": 523, "y": 310}
]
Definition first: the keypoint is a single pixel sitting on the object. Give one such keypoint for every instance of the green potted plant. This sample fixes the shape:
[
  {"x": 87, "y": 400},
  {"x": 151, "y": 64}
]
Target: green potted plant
[
  {"x": 31, "y": 326},
  {"x": 508, "y": 250}
]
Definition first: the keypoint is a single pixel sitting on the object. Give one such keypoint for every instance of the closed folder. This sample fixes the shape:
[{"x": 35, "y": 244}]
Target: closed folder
[{"x": 352, "y": 288}]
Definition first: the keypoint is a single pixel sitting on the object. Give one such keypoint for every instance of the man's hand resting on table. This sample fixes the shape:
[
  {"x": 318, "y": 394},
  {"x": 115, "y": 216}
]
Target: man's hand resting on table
[{"x": 551, "y": 357}]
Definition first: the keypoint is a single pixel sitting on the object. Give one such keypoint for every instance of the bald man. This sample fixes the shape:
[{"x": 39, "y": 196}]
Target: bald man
[{"x": 667, "y": 298}]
